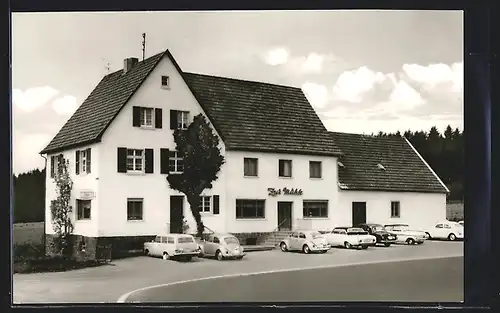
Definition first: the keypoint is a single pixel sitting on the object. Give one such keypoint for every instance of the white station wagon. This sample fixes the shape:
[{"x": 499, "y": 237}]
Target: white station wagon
[{"x": 172, "y": 246}]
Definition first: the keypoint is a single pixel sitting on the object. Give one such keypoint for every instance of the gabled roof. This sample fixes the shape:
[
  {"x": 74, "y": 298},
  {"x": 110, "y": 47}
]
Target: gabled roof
[
  {"x": 250, "y": 116},
  {"x": 404, "y": 169}
]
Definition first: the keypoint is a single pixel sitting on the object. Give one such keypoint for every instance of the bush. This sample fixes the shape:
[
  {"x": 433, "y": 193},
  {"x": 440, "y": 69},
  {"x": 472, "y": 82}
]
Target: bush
[
  {"x": 27, "y": 252},
  {"x": 53, "y": 264}
]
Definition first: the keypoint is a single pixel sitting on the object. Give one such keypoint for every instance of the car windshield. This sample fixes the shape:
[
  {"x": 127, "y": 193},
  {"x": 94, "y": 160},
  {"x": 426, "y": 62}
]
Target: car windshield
[
  {"x": 184, "y": 240},
  {"x": 355, "y": 231},
  {"x": 316, "y": 235},
  {"x": 378, "y": 228},
  {"x": 231, "y": 240}
]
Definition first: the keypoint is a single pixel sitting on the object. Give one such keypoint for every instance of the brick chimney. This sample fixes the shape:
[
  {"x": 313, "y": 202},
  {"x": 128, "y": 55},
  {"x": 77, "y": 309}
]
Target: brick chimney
[{"x": 129, "y": 63}]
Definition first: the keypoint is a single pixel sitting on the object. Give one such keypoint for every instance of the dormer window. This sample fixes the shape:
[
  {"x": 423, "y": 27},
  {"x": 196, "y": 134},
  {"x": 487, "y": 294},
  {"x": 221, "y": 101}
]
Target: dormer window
[
  {"x": 165, "y": 82},
  {"x": 381, "y": 167}
]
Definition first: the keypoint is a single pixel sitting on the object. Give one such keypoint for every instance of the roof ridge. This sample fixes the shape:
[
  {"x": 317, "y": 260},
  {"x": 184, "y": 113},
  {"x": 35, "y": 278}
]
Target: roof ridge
[
  {"x": 138, "y": 63},
  {"x": 243, "y": 80}
]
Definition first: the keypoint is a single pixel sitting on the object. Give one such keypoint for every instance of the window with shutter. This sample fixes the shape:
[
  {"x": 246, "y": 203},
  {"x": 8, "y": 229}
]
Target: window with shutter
[
  {"x": 149, "y": 166},
  {"x": 52, "y": 166},
  {"x": 216, "y": 204},
  {"x": 164, "y": 160}
]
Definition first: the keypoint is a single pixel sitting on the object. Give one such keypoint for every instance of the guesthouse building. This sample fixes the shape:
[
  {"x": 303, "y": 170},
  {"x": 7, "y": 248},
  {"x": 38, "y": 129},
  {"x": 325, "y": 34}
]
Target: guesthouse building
[{"x": 283, "y": 170}]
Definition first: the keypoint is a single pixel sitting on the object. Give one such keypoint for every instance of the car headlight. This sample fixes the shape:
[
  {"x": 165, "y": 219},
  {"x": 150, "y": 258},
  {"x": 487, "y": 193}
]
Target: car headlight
[{"x": 314, "y": 245}]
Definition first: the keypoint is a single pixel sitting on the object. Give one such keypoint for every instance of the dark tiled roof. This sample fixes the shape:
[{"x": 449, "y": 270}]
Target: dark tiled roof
[
  {"x": 260, "y": 116},
  {"x": 97, "y": 112},
  {"x": 404, "y": 170},
  {"x": 248, "y": 115}
]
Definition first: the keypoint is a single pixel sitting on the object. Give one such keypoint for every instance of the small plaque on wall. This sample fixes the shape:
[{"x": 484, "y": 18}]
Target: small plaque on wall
[{"x": 87, "y": 195}]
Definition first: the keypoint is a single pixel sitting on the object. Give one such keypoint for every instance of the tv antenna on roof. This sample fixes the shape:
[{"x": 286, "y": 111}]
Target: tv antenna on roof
[
  {"x": 143, "y": 45},
  {"x": 107, "y": 66}
]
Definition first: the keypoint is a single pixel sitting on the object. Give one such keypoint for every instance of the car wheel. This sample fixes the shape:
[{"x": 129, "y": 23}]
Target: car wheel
[
  {"x": 387, "y": 244},
  {"x": 364, "y": 247},
  {"x": 283, "y": 247},
  {"x": 347, "y": 245},
  {"x": 219, "y": 255},
  {"x": 452, "y": 237},
  {"x": 306, "y": 249},
  {"x": 166, "y": 256},
  {"x": 428, "y": 235},
  {"x": 410, "y": 241},
  {"x": 146, "y": 252},
  {"x": 239, "y": 257},
  {"x": 188, "y": 258}
]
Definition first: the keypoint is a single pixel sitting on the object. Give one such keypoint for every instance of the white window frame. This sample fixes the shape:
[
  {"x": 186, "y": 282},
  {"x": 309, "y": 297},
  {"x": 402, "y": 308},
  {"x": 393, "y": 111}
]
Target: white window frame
[
  {"x": 141, "y": 200},
  {"x": 206, "y": 204},
  {"x": 82, "y": 162},
  {"x": 80, "y": 204},
  {"x": 135, "y": 157},
  {"x": 396, "y": 208},
  {"x": 182, "y": 119},
  {"x": 167, "y": 78},
  {"x": 143, "y": 118},
  {"x": 250, "y": 160},
  {"x": 176, "y": 158},
  {"x": 285, "y": 162}
]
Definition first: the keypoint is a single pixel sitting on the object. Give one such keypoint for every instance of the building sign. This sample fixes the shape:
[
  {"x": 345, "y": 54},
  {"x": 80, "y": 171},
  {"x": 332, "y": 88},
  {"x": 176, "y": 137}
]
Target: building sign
[
  {"x": 285, "y": 191},
  {"x": 87, "y": 195}
]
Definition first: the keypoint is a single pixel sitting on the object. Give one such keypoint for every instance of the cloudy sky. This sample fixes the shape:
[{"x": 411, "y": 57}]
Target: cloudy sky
[{"x": 363, "y": 71}]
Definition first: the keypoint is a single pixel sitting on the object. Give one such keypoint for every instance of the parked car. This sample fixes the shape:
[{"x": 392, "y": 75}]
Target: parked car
[
  {"x": 446, "y": 230},
  {"x": 383, "y": 236},
  {"x": 172, "y": 246},
  {"x": 306, "y": 241},
  {"x": 350, "y": 237},
  {"x": 222, "y": 246},
  {"x": 405, "y": 234}
]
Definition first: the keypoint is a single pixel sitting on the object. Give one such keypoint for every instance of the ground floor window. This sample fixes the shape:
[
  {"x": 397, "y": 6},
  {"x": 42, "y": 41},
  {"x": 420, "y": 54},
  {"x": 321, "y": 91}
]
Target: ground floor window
[
  {"x": 205, "y": 204},
  {"x": 315, "y": 208},
  {"x": 83, "y": 208},
  {"x": 395, "y": 209},
  {"x": 134, "y": 209},
  {"x": 249, "y": 208}
]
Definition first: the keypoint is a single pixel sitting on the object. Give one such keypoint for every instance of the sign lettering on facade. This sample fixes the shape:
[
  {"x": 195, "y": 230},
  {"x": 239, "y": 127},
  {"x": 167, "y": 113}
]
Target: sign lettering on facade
[
  {"x": 87, "y": 195},
  {"x": 285, "y": 191}
]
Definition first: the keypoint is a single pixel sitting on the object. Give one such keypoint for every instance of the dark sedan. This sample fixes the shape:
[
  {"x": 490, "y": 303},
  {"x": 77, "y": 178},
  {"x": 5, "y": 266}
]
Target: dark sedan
[{"x": 378, "y": 230}]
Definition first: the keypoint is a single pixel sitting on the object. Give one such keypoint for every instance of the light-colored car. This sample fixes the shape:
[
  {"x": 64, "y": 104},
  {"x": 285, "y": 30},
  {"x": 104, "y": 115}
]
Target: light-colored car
[
  {"x": 350, "y": 237},
  {"x": 446, "y": 230},
  {"x": 406, "y": 235},
  {"x": 172, "y": 246},
  {"x": 306, "y": 241},
  {"x": 222, "y": 246}
]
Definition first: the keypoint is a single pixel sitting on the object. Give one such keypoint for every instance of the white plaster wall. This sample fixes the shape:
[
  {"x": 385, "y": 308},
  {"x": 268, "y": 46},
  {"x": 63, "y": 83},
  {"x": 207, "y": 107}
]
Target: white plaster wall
[
  {"x": 116, "y": 187},
  {"x": 419, "y": 210},
  {"x": 240, "y": 187},
  {"x": 83, "y": 181}
]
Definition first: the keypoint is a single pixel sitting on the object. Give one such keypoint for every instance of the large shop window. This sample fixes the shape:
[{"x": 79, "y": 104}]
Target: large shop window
[
  {"x": 315, "y": 208},
  {"x": 134, "y": 209},
  {"x": 83, "y": 208},
  {"x": 246, "y": 208}
]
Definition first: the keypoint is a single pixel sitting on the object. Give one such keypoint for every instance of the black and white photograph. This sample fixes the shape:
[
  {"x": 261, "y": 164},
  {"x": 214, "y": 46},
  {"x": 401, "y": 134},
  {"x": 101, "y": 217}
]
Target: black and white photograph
[{"x": 238, "y": 156}]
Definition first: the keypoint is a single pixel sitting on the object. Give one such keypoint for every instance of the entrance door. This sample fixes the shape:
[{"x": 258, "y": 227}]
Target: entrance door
[
  {"x": 176, "y": 214},
  {"x": 358, "y": 213},
  {"x": 285, "y": 215}
]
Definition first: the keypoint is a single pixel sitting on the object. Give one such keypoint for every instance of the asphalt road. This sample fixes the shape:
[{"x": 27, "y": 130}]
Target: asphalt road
[{"x": 436, "y": 280}]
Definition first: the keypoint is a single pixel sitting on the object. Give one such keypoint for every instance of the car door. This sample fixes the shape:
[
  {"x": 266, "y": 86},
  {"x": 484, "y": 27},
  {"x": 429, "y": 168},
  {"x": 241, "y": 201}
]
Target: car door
[
  {"x": 337, "y": 237},
  {"x": 293, "y": 241},
  {"x": 446, "y": 231},
  {"x": 438, "y": 231},
  {"x": 397, "y": 230},
  {"x": 301, "y": 240},
  {"x": 208, "y": 246},
  {"x": 155, "y": 246},
  {"x": 215, "y": 244}
]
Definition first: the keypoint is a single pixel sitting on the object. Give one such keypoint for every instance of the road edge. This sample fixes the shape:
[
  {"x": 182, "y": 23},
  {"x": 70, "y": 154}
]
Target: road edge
[{"x": 123, "y": 298}]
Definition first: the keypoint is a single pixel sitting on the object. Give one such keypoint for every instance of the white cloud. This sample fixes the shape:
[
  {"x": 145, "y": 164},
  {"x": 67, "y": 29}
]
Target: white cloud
[
  {"x": 65, "y": 105},
  {"x": 32, "y": 98},
  {"x": 316, "y": 94},
  {"x": 351, "y": 85},
  {"x": 277, "y": 56},
  {"x": 405, "y": 97},
  {"x": 313, "y": 63},
  {"x": 434, "y": 74},
  {"x": 25, "y": 151}
]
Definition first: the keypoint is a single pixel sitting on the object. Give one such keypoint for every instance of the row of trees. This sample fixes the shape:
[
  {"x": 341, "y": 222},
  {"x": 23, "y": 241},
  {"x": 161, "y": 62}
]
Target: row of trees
[{"x": 202, "y": 161}]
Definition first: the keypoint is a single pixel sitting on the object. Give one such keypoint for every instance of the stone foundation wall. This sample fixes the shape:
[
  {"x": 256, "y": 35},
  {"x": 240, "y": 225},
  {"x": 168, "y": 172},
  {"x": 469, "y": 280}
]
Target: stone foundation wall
[{"x": 249, "y": 239}]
